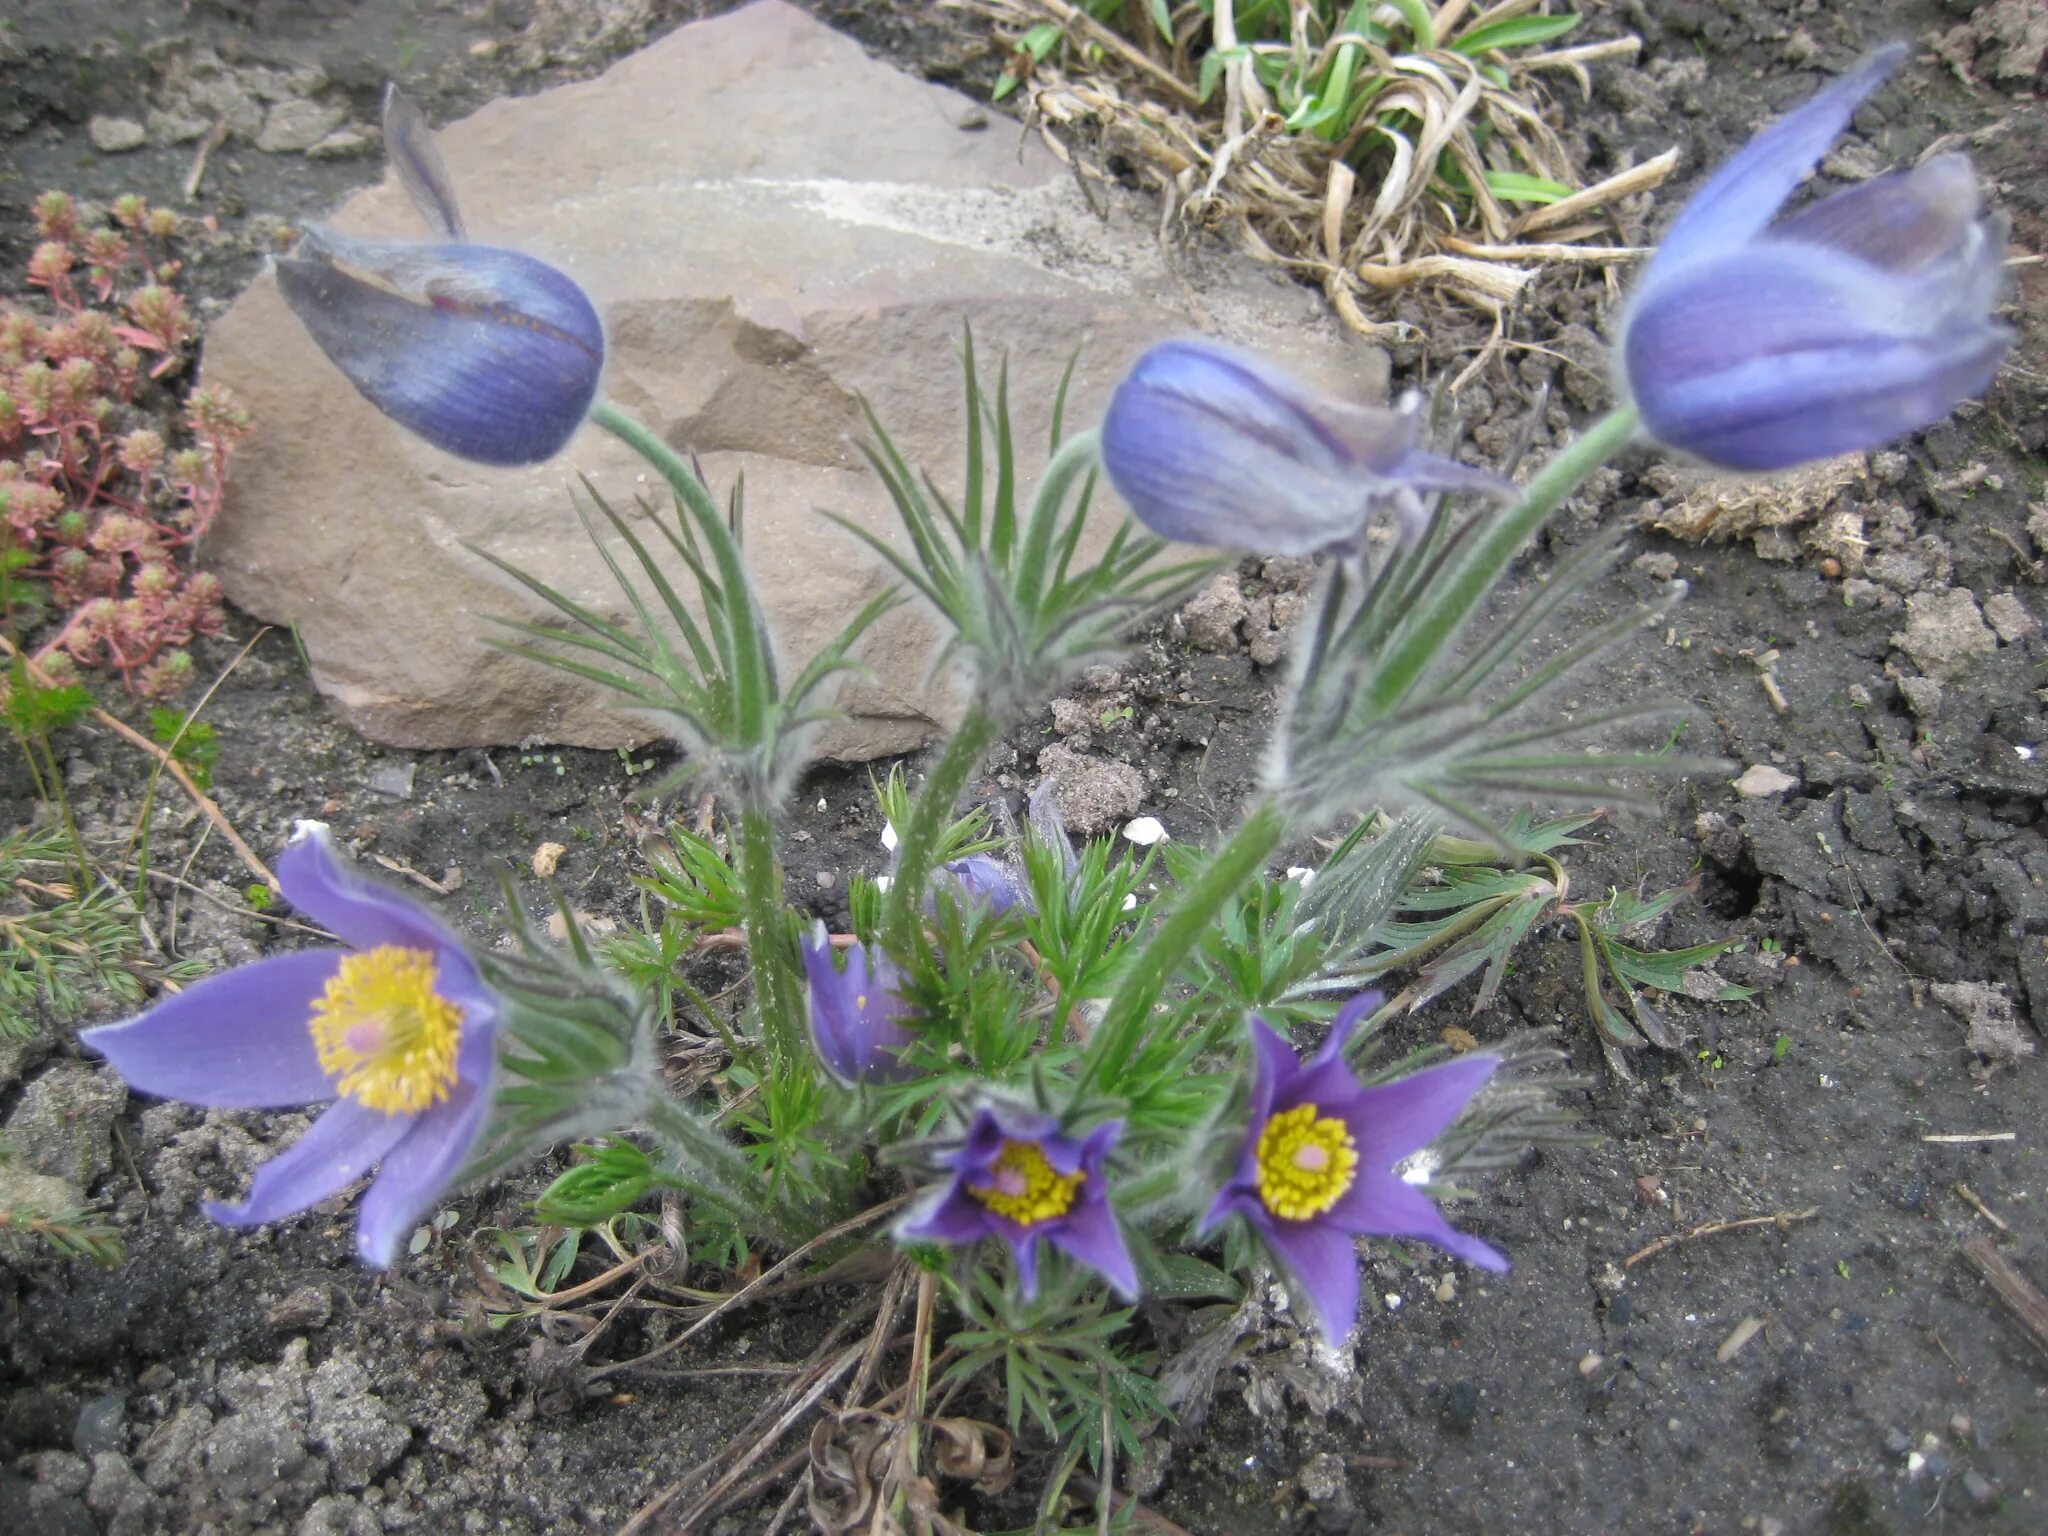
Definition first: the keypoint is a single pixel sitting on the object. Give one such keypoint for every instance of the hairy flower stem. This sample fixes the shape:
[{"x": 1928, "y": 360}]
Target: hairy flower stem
[
  {"x": 1131, "y": 1005},
  {"x": 930, "y": 813},
  {"x": 680, "y": 474},
  {"x": 764, "y": 911},
  {"x": 761, "y": 904},
  {"x": 1495, "y": 549},
  {"x": 699, "y": 1153}
]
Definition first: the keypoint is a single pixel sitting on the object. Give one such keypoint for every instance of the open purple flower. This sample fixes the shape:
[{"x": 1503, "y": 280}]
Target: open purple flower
[
  {"x": 856, "y": 1013},
  {"x": 399, "y": 1031},
  {"x": 1855, "y": 321},
  {"x": 1319, "y": 1157},
  {"x": 486, "y": 353},
  {"x": 1016, "y": 1178},
  {"x": 1211, "y": 445}
]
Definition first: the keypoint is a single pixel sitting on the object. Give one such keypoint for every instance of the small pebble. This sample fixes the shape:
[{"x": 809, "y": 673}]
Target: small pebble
[
  {"x": 116, "y": 135},
  {"x": 1591, "y": 1362},
  {"x": 1980, "y": 1490},
  {"x": 1145, "y": 831},
  {"x": 102, "y": 1426},
  {"x": 826, "y": 879}
]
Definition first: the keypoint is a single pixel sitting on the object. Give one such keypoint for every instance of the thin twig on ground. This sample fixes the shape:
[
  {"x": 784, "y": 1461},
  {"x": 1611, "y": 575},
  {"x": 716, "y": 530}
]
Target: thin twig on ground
[
  {"x": 1780, "y": 1220},
  {"x": 172, "y": 766}
]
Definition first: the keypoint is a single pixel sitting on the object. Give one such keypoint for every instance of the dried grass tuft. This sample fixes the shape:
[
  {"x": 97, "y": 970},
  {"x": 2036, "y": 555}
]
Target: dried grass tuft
[{"x": 1366, "y": 215}]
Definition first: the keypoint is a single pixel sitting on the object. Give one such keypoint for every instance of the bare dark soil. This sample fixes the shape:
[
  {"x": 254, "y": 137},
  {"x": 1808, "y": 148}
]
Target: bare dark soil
[{"x": 265, "y": 1382}]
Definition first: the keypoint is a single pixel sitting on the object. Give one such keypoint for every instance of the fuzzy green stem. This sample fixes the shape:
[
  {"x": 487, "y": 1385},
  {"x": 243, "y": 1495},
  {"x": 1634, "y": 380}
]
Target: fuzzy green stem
[
  {"x": 930, "y": 813},
  {"x": 705, "y": 1158},
  {"x": 1130, "y": 1007},
  {"x": 764, "y": 912},
  {"x": 1481, "y": 566},
  {"x": 672, "y": 466}
]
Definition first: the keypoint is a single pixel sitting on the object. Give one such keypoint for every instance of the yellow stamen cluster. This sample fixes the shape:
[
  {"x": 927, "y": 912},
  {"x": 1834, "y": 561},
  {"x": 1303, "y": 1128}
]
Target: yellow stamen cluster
[
  {"x": 1305, "y": 1163},
  {"x": 384, "y": 1034},
  {"x": 1025, "y": 1188}
]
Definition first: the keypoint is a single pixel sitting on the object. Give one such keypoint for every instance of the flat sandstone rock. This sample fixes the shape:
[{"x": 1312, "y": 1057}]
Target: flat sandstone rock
[{"x": 771, "y": 223}]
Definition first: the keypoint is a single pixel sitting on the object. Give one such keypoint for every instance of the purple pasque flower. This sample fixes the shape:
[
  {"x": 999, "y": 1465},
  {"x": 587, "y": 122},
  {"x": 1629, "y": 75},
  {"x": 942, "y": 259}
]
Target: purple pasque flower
[
  {"x": 983, "y": 880},
  {"x": 486, "y": 353},
  {"x": 1319, "y": 1160},
  {"x": 856, "y": 1013},
  {"x": 398, "y": 1030},
  {"x": 1866, "y": 316},
  {"x": 1212, "y": 445},
  {"x": 1015, "y": 1177}
]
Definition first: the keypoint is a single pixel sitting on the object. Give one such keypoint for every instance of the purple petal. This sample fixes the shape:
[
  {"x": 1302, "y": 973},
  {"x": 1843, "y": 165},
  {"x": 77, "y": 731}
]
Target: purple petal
[
  {"x": 1324, "y": 1263},
  {"x": 1381, "y": 1205},
  {"x": 1360, "y": 1007},
  {"x": 1746, "y": 193},
  {"x": 1775, "y": 412},
  {"x": 1434, "y": 472},
  {"x": 420, "y": 1169},
  {"x": 1024, "y": 1249},
  {"x": 949, "y": 1215},
  {"x": 1239, "y": 1197},
  {"x": 1092, "y": 1237},
  {"x": 1273, "y": 1063},
  {"x": 981, "y": 879},
  {"x": 855, "y": 1014},
  {"x": 1906, "y": 222},
  {"x": 362, "y": 913},
  {"x": 1391, "y": 1120},
  {"x": 239, "y": 1040},
  {"x": 1042, "y": 815},
  {"x": 486, "y": 353},
  {"x": 341, "y": 1146},
  {"x": 409, "y": 145}
]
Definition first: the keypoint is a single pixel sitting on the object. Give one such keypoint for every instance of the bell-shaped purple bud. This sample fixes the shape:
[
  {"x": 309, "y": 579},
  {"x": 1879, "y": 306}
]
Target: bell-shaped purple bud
[
  {"x": 856, "y": 1013},
  {"x": 1211, "y": 445},
  {"x": 980, "y": 880},
  {"x": 487, "y": 353},
  {"x": 1757, "y": 345}
]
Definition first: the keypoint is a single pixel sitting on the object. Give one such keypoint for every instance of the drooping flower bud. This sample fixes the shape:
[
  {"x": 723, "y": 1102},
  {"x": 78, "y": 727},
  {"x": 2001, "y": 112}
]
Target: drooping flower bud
[
  {"x": 487, "y": 353},
  {"x": 1759, "y": 345},
  {"x": 1211, "y": 445}
]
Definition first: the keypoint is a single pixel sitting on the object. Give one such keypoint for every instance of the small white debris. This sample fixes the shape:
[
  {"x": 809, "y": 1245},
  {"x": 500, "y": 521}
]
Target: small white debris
[
  {"x": 1301, "y": 873},
  {"x": 1763, "y": 781},
  {"x": 1130, "y": 901},
  {"x": 821, "y": 802},
  {"x": 1447, "y": 1290},
  {"x": 1145, "y": 831},
  {"x": 883, "y": 882},
  {"x": 1590, "y": 1362},
  {"x": 888, "y": 833},
  {"x": 2025, "y": 754},
  {"x": 1418, "y": 1169},
  {"x": 1393, "y": 1301}
]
